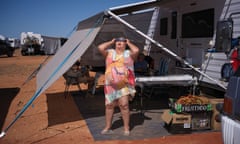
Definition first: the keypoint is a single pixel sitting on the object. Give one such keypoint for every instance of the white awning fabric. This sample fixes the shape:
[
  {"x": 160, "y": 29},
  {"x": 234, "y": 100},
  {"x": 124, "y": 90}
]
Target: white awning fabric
[{"x": 66, "y": 57}]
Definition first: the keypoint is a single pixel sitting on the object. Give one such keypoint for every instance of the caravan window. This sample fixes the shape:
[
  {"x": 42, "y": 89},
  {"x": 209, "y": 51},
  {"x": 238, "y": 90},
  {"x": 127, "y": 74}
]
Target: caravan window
[
  {"x": 198, "y": 24},
  {"x": 174, "y": 25},
  {"x": 163, "y": 26}
]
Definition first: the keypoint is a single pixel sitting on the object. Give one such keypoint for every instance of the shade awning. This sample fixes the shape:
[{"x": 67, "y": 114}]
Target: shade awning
[
  {"x": 137, "y": 6},
  {"x": 66, "y": 57}
]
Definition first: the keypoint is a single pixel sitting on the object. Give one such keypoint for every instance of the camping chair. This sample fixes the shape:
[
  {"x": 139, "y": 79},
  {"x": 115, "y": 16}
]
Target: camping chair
[
  {"x": 71, "y": 78},
  {"x": 163, "y": 67}
]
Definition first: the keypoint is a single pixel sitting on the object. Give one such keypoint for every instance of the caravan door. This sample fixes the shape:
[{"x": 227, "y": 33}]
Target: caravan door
[
  {"x": 186, "y": 27},
  {"x": 197, "y": 26},
  {"x": 197, "y": 29}
]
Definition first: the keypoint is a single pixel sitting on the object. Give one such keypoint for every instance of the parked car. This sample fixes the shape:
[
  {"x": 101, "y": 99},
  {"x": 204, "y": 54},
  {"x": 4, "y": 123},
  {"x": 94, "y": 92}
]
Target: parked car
[
  {"x": 230, "y": 112},
  {"x": 6, "y": 49}
]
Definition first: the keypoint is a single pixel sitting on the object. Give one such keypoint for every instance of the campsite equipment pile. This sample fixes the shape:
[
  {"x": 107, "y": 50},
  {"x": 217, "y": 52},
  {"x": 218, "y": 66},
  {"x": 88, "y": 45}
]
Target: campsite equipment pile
[{"x": 188, "y": 113}]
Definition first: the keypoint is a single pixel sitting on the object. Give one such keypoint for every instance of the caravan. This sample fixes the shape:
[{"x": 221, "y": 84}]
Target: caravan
[
  {"x": 31, "y": 43},
  {"x": 191, "y": 30}
]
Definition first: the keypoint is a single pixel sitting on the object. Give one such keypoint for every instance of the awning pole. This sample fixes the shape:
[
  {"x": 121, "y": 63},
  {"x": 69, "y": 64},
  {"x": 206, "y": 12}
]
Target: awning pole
[{"x": 163, "y": 48}]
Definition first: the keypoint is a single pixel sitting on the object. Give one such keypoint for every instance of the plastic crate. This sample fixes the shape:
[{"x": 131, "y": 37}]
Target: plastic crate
[{"x": 201, "y": 121}]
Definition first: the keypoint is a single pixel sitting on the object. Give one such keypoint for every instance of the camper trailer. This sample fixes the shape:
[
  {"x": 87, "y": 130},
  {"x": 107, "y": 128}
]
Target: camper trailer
[
  {"x": 191, "y": 29},
  {"x": 31, "y": 43}
]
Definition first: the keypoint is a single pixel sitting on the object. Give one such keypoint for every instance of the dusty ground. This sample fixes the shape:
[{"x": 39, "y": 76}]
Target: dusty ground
[{"x": 33, "y": 126}]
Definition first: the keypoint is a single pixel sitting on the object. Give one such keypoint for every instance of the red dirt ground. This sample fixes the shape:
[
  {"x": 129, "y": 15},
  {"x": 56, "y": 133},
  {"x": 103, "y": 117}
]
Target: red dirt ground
[{"x": 32, "y": 126}]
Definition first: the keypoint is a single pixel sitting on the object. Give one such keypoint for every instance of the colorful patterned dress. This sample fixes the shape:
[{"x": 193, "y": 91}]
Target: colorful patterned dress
[{"x": 112, "y": 93}]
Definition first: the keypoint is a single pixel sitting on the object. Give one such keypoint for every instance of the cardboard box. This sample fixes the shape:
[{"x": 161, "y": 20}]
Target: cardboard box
[
  {"x": 177, "y": 123},
  {"x": 214, "y": 124}
]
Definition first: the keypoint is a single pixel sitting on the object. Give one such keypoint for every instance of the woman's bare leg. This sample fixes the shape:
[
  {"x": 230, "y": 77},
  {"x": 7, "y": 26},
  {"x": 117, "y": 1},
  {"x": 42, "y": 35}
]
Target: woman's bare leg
[
  {"x": 109, "y": 110},
  {"x": 124, "y": 107}
]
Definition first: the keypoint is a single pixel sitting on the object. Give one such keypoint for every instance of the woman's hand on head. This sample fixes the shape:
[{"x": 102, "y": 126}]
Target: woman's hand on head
[
  {"x": 113, "y": 40},
  {"x": 128, "y": 41}
]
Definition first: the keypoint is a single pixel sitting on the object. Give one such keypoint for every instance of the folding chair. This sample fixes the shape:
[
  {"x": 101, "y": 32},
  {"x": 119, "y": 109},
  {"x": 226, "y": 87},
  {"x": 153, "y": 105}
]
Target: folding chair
[
  {"x": 72, "y": 78},
  {"x": 163, "y": 67}
]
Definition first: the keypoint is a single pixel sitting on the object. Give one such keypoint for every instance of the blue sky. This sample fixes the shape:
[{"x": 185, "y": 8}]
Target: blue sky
[{"x": 55, "y": 18}]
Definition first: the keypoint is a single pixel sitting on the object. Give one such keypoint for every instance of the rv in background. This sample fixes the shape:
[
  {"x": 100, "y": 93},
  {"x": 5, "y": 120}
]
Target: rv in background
[
  {"x": 31, "y": 44},
  {"x": 37, "y": 44},
  {"x": 188, "y": 28}
]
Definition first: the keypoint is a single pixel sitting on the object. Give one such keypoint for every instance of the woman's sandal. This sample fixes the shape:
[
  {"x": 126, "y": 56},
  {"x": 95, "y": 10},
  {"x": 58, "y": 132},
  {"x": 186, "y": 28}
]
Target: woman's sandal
[
  {"x": 126, "y": 133},
  {"x": 106, "y": 132}
]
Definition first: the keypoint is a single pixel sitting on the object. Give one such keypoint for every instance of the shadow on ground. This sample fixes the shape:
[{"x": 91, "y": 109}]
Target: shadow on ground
[
  {"x": 6, "y": 97},
  {"x": 61, "y": 109}
]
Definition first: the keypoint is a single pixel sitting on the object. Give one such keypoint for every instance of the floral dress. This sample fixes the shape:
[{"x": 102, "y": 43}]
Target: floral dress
[{"x": 112, "y": 93}]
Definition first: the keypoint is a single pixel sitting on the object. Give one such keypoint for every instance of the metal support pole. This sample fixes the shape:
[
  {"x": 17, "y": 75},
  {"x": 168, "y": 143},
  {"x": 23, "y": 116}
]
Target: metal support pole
[{"x": 163, "y": 48}]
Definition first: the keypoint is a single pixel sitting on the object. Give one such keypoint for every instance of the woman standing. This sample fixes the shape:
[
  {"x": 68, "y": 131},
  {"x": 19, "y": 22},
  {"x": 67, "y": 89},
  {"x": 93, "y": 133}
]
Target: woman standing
[{"x": 118, "y": 92}]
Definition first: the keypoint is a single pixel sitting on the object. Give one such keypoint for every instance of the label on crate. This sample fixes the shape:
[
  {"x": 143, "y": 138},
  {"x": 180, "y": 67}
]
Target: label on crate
[
  {"x": 187, "y": 125},
  {"x": 198, "y": 123},
  {"x": 192, "y": 108}
]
